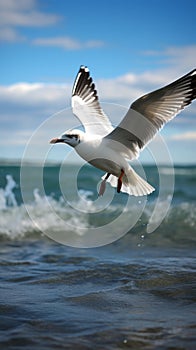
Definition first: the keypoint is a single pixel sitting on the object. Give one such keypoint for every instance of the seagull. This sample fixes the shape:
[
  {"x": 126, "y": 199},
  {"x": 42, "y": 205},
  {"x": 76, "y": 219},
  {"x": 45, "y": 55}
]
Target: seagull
[{"x": 110, "y": 149}]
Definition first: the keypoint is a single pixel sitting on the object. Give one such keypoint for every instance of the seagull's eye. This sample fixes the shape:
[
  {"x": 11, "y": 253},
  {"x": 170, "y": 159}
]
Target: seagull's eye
[{"x": 73, "y": 136}]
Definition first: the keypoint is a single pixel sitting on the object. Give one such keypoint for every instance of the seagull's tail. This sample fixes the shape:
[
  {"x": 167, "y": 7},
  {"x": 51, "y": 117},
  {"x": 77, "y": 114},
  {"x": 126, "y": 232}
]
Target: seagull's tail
[{"x": 132, "y": 184}]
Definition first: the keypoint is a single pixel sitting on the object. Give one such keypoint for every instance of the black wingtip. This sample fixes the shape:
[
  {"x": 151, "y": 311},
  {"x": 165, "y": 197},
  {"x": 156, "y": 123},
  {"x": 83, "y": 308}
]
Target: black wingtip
[
  {"x": 83, "y": 85},
  {"x": 191, "y": 78},
  {"x": 84, "y": 68},
  {"x": 193, "y": 83}
]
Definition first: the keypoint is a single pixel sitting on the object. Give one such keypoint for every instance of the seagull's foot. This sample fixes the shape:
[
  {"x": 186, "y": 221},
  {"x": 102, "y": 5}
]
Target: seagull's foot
[
  {"x": 120, "y": 181},
  {"x": 102, "y": 188},
  {"x": 103, "y": 185}
]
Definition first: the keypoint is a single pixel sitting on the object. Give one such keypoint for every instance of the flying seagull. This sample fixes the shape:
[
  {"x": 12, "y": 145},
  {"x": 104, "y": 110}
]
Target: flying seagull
[{"x": 110, "y": 149}]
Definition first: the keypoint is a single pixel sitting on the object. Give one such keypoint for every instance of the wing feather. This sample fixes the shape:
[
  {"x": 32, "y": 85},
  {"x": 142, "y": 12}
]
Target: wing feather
[
  {"x": 148, "y": 114},
  {"x": 86, "y": 106}
]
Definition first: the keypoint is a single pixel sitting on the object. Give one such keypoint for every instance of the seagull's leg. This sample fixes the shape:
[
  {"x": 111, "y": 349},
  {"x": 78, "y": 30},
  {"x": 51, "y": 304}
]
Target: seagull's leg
[
  {"x": 120, "y": 181},
  {"x": 103, "y": 184}
]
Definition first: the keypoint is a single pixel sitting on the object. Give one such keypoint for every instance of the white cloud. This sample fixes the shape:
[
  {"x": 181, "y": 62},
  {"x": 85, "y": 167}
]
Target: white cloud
[
  {"x": 29, "y": 94},
  {"x": 130, "y": 86},
  {"x": 24, "y": 13},
  {"x": 18, "y": 14},
  {"x": 182, "y": 56},
  {"x": 187, "y": 136},
  {"x": 178, "y": 59},
  {"x": 27, "y": 19},
  {"x": 16, "y": 137},
  {"x": 68, "y": 43},
  {"x": 13, "y": 4},
  {"x": 52, "y": 97},
  {"x": 24, "y": 106},
  {"x": 10, "y": 35},
  {"x": 21, "y": 13}
]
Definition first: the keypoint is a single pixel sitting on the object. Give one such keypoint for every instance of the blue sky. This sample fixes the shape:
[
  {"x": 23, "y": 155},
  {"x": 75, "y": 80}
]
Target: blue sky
[{"x": 130, "y": 47}]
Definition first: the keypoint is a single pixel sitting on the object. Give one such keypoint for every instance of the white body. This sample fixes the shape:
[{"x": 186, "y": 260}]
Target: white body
[{"x": 97, "y": 151}]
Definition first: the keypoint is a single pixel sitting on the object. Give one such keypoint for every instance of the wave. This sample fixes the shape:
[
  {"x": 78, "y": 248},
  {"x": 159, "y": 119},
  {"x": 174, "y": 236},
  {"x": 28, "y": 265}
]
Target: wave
[
  {"x": 15, "y": 222},
  {"x": 49, "y": 214}
]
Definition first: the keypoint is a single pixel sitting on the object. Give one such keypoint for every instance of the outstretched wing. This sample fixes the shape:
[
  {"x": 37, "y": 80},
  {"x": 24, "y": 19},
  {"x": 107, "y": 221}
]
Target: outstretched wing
[
  {"x": 86, "y": 107},
  {"x": 151, "y": 112}
]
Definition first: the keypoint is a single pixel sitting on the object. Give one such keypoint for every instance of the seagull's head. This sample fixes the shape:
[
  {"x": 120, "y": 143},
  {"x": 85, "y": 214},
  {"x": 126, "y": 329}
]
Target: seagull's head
[{"x": 71, "y": 137}]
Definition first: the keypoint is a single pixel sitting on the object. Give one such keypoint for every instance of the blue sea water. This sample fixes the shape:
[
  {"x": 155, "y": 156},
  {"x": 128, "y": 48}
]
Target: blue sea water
[{"x": 137, "y": 292}]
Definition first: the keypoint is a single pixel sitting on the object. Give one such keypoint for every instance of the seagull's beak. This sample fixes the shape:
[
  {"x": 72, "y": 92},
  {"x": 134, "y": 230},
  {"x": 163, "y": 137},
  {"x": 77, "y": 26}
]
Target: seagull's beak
[{"x": 56, "y": 140}]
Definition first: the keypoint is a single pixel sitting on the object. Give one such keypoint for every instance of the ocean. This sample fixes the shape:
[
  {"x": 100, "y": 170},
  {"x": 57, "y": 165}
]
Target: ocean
[{"x": 82, "y": 272}]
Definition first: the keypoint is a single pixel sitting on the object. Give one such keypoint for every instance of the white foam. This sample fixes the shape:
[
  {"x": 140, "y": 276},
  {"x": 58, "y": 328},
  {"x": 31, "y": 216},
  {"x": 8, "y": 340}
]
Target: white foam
[{"x": 16, "y": 223}]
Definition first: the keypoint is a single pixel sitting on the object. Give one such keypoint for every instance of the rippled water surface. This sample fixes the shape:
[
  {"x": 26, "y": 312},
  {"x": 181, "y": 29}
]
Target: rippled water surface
[{"x": 136, "y": 293}]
